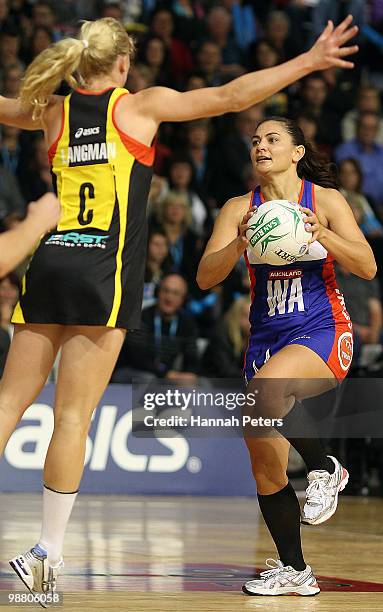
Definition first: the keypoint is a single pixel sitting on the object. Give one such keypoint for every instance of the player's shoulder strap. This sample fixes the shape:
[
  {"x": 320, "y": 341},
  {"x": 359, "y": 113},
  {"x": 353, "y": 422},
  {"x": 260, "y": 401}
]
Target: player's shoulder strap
[{"x": 255, "y": 198}]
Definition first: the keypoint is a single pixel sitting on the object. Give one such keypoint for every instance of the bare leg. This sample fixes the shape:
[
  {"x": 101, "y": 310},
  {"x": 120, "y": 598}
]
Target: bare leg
[
  {"x": 30, "y": 359},
  {"x": 87, "y": 361}
]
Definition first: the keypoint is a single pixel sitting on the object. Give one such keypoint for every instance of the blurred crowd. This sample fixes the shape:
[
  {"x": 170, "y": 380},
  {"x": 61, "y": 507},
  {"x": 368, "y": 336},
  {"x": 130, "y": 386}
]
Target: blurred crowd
[{"x": 189, "y": 44}]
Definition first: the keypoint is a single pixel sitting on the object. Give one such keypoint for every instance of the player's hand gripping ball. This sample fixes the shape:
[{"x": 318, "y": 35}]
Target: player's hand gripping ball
[{"x": 277, "y": 233}]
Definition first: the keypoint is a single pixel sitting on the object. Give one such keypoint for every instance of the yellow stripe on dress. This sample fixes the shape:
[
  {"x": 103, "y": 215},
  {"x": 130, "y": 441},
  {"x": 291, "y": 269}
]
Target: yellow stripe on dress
[{"x": 122, "y": 173}]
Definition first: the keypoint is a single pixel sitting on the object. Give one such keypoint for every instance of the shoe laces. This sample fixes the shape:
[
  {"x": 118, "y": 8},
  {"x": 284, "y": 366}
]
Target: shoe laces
[
  {"x": 276, "y": 567},
  {"x": 316, "y": 491}
]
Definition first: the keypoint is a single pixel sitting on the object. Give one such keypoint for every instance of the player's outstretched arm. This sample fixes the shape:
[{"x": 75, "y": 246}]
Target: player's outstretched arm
[
  {"x": 162, "y": 104},
  {"x": 12, "y": 114},
  {"x": 227, "y": 243},
  {"x": 18, "y": 243}
]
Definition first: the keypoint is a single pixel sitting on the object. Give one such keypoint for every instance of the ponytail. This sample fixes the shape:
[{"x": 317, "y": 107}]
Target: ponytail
[
  {"x": 55, "y": 64},
  {"x": 74, "y": 60},
  {"x": 314, "y": 166}
]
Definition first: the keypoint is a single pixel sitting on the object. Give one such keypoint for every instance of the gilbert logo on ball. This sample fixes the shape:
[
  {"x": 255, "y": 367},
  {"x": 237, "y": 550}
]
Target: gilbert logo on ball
[{"x": 277, "y": 234}]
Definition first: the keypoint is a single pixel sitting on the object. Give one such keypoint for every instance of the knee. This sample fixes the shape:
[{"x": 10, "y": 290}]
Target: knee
[
  {"x": 270, "y": 398},
  {"x": 73, "y": 421},
  {"x": 269, "y": 468}
]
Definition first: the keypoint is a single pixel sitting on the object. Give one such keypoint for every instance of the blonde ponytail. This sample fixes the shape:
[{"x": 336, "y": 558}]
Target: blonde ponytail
[{"x": 74, "y": 60}]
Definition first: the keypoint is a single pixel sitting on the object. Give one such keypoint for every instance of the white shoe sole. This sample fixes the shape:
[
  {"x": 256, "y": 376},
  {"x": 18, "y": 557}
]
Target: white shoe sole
[
  {"x": 330, "y": 511},
  {"x": 17, "y": 565},
  {"x": 304, "y": 591}
]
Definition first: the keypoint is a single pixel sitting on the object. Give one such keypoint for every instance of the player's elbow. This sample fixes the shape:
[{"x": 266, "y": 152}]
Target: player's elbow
[
  {"x": 202, "y": 282},
  {"x": 370, "y": 270}
]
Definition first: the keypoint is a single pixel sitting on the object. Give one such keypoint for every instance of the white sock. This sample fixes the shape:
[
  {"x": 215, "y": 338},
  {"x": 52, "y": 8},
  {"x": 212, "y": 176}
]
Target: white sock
[{"x": 57, "y": 508}]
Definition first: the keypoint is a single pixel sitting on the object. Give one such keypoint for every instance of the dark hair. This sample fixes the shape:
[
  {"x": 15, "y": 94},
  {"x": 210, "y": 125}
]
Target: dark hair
[
  {"x": 357, "y": 168},
  {"x": 364, "y": 114},
  {"x": 314, "y": 166}
]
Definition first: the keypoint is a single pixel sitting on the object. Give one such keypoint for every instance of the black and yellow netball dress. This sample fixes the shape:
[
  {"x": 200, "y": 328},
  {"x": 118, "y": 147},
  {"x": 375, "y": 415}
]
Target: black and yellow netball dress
[{"x": 90, "y": 271}]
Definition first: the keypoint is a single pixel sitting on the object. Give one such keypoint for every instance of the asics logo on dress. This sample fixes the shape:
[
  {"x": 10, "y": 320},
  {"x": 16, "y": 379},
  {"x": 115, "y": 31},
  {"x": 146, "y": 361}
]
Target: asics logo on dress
[{"x": 87, "y": 131}]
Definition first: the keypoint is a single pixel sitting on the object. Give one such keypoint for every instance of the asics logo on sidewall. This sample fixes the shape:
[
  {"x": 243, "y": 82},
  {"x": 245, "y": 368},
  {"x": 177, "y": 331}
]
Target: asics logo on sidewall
[{"x": 87, "y": 131}]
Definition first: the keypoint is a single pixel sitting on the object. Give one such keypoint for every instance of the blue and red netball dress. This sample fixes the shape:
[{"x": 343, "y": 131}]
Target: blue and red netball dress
[{"x": 298, "y": 303}]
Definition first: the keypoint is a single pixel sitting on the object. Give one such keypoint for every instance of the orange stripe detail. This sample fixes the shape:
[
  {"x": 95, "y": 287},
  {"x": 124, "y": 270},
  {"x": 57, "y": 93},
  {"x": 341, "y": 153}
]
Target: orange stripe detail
[
  {"x": 329, "y": 279},
  {"x": 88, "y": 92},
  {"x": 142, "y": 153},
  {"x": 53, "y": 148}
]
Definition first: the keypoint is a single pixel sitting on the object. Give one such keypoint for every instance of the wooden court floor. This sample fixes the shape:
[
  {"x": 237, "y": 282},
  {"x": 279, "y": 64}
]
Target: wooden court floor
[{"x": 193, "y": 554}]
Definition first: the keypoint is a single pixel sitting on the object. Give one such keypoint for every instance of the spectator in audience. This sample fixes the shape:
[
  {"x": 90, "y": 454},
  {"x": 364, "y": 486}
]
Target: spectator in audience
[
  {"x": 368, "y": 100},
  {"x": 10, "y": 41},
  {"x": 182, "y": 181},
  {"x": 43, "y": 15},
  {"x": 350, "y": 180},
  {"x": 153, "y": 54},
  {"x": 219, "y": 26},
  {"x": 180, "y": 57},
  {"x": 4, "y": 12},
  {"x": 175, "y": 219},
  {"x": 195, "y": 81},
  {"x": 36, "y": 178},
  {"x": 225, "y": 352},
  {"x": 209, "y": 63},
  {"x": 190, "y": 19},
  {"x": 309, "y": 127},
  {"x": 243, "y": 20},
  {"x": 277, "y": 31},
  {"x": 369, "y": 153},
  {"x": 157, "y": 264},
  {"x": 233, "y": 157},
  {"x": 112, "y": 9},
  {"x": 11, "y": 199},
  {"x": 41, "y": 38},
  {"x": 165, "y": 346},
  {"x": 10, "y": 150},
  {"x": 12, "y": 81},
  {"x": 313, "y": 95},
  {"x": 198, "y": 136}
]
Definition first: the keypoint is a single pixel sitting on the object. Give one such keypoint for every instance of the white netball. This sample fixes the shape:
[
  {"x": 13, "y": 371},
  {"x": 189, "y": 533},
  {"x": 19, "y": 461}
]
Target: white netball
[{"x": 276, "y": 233}]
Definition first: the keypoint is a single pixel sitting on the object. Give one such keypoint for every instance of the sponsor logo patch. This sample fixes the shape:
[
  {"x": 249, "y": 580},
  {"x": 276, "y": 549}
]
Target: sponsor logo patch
[{"x": 345, "y": 346}]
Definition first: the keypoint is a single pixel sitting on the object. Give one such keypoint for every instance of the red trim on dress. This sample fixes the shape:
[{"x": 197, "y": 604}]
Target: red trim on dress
[
  {"x": 142, "y": 152},
  {"x": 329, "y": 279},
  {"x": 53, "y": 148},
  {"x": 89, "y": 92},
  {"x": 300, "y": 193},
  {"x": 313, "y": 198}
]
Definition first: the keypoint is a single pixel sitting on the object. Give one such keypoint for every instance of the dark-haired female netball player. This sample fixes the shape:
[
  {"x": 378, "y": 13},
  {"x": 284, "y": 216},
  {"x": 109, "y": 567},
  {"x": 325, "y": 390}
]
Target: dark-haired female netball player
[
  {"x": 83, "y": 288},
  {"x": 301, "y": 334}
]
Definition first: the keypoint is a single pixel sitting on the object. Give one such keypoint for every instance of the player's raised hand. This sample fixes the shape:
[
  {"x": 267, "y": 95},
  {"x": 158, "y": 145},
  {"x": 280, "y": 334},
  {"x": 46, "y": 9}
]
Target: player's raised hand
[{"x": 329, "y": 49}]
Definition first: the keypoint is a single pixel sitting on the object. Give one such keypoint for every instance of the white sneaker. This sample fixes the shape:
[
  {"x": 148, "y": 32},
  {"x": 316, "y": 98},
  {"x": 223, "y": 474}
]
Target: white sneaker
[
  {"x": 34, "y": 570},
  {"x": 322, "y": 493},
  {"x": 282, "y": 580}
]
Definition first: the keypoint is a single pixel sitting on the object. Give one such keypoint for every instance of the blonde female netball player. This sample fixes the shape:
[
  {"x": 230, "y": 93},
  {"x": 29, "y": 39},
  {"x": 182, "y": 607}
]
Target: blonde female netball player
[{"x": 83, "y": 288}]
